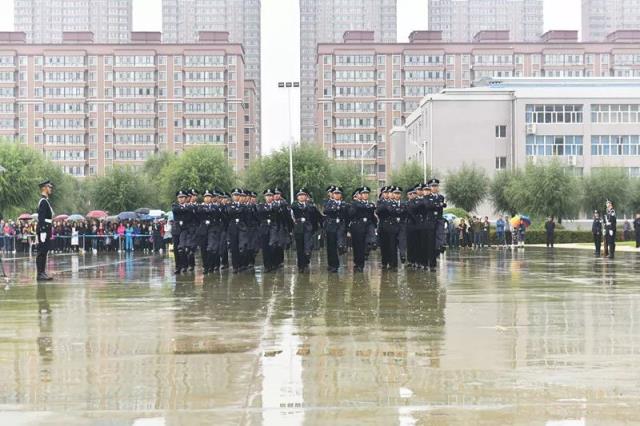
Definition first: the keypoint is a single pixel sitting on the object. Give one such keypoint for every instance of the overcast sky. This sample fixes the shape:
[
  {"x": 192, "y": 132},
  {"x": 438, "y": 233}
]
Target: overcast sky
[{"x": 280, "y": 48}]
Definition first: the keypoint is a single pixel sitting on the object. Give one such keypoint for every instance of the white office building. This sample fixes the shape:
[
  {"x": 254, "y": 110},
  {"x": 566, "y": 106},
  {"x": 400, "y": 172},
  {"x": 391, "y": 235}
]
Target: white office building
[{"x": 585, "y": 123}]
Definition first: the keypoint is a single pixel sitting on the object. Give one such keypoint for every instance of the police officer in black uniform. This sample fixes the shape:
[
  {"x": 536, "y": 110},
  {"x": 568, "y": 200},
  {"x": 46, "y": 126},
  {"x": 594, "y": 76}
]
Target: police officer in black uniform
[
  {"x": 43, "y": 230},
  {"x": 236, "y": 215},
  {"x": 440, "y": 205},
  {"x": 306, "y": 223},
  {"x": 411, "y": 227},
  {"x": 596, "y": 230},
  {"x": 191, "y": 242},
  {"x": 336, "y": 213},
  {"x": 179, "y": 209},
  {"x": 361, "y": 217},
  {"x": 610, "y": 229},
  {"x": 281, "y": 234},
  {"x": 266, "y": 215},
  {"x": 225, "y": 200},
  {"x": 391, "y": 214}
]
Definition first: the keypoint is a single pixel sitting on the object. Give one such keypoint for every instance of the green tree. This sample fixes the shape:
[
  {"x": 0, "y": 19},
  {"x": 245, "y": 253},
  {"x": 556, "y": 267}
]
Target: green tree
[
  {"x": 348, "y": 176},
  {"x": 200, "y": 168},
  {"x": 634, "y": 197},
  {"x": 24, "y": 168},
  {"x": 407, "y": 175},
  {"x": 311, "y": 169},
  {"x": 545, "y": 190},
  {"x": 120, "y": 189},
  {"x": 498, "y": 189},
  {"x": 467, "y": 187},
  {"x": 604, "y": 184}
]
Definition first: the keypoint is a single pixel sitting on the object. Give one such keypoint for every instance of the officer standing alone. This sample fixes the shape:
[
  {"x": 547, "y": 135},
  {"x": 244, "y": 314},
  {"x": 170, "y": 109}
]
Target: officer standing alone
[
  {"x": 45, "y": 221},
  {"x": 610, "y": 228}
]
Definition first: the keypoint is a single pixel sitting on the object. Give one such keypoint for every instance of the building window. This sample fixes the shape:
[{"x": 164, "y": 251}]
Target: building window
[
  {"x": 615, "y": 113},
  {"x": 554, "y": 114},
  {"x": 501, "y": 163},
  {"x": 543, "y": 146},
  {"x": 501, "y": 131},
  {"x": 615, "y": 145}
]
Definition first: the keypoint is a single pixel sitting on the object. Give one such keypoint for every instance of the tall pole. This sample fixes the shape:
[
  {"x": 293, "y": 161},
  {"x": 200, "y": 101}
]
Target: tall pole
[
  {"x": 424, "y": 160},
  {"x": 289, "y": 85},
  {"x": 290, "y": 150}
]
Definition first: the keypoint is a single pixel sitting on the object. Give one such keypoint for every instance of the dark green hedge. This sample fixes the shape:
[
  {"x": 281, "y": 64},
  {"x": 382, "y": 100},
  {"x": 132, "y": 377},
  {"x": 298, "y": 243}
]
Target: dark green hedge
[{"x": 540, "y": 237}]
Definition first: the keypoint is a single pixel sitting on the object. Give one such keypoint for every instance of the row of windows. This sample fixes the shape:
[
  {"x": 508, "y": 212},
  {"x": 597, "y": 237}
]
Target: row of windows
[
  {"x": 64, "y": 76},
  {"x": 201, "y": 138},
  {"x": 354, "y": 76},
  {"x": 554, "y": 114},
  {"x": 355, "y": 138},
  {"x": 554, "y": 145},
  {"x": 62, "y": 155},
  {"x": 610, "y": 145},
  {"x": 355, "y": 106},
  {"x": 204, "y": 123},
  {"x": 128, "y": 76},
  {"x": 135, "y": 61},
  {"x": 145, "y": 107},
  {"x": 59, "y": 123},
  {"x": 206, "y": 107},
  {"x": 615, "y": 113},
  {"x": 360, "y": 60},
  {"x": 143, "y": 139},
  {"x": 423, "y": 59}
]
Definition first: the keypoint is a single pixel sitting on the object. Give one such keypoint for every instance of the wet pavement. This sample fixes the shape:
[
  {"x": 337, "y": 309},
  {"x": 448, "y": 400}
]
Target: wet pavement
[{"x": 494, "y": 337}]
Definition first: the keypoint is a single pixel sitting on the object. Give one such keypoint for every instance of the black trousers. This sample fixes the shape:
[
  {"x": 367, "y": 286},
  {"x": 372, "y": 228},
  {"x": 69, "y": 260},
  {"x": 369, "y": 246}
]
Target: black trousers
[
  {"x": 550, "y": 239},
  {"x": 43, "y": 251},
  {"x": 301, "y": 249},
  {"x": 597, "y": 241},
  {"x": 359, "y": 243},
  {"x": 333, "y": 260},
  {"x": 425, "y": 247},
  {"x": 268, "y": 257},
  {"x": 637, "y": 238},
  {"x": 234, "y": 245},
  {"x": 178, "y": 253},
  {"x": 389, "y": 247},
  {"x": 431, "y": 253},
  {"x": 611, "y": 243},
  {"x": 411, "y": 243}
]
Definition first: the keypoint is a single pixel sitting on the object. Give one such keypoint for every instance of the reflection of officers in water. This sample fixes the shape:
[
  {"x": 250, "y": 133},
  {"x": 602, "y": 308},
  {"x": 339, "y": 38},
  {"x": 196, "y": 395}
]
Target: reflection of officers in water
[
  {"x": 596, "y": 230},
  {"x": 44, "y": 341}
]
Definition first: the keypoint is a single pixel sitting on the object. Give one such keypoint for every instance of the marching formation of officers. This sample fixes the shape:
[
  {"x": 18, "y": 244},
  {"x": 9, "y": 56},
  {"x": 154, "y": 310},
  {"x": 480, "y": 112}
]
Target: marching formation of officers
[{"x": 235, "y": 224}]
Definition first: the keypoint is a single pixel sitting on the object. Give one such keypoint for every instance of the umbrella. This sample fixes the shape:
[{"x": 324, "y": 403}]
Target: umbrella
[
  {"x": 456, "y": 221},
  {"x": 145, "y": 218},
  {"x": 25, "y": 216},
  {"x": 515, "y": 221},
  {"x": 97, "y": 214},
  {"x": 76, "y": 218},
  {"x": 156, "y": 213},
  {"x": 62, "y": 217},
  {"x": 170, "y": 216},
  {"x": 127, "y": 216},
  {"x": 112, "y": 219},
  {"x": 526, "y": 220},
  {"x": 142, "y": 211},
  {"x": 450, "y": 216}
]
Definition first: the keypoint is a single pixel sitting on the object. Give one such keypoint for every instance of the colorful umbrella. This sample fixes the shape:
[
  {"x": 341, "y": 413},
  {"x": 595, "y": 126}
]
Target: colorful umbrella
[
  {"x": 526, "y": 220},
  {"x": 515, "y": 221},
  {"x": 25, "y": 216},
  {"x": 76, "y": 218},
  {"x": 61, "y": 217},
  {"x": 97, "y": 214}
]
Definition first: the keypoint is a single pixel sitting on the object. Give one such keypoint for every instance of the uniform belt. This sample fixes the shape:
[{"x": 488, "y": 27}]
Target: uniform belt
[
  {"x": 181, "y": 223},
  {"x": 48, "y": 220},
  {"x": 301, "y": 220},
  {"x": 335, "y": 219},
  {"x": 237, "y": 220}
]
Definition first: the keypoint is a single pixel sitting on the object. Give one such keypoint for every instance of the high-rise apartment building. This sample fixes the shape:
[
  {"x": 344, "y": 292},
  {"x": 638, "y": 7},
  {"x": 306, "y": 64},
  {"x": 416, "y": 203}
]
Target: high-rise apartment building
[
  {"x": 601, "y": 17},
  {"x": 44, "y": 21},
  {"x": 89, "y": 107},
  {"x": 183, "y": 20},
  {"x": 325, "y": 21},
  {"x": 461, "y": 20},
  {"x": 366, "y": 89}
]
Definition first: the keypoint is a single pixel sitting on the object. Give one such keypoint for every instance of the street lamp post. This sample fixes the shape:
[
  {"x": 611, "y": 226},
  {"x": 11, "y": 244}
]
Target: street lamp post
[
  {"x": 364, "y": 153},
  {"x": 288, "y": 85}
]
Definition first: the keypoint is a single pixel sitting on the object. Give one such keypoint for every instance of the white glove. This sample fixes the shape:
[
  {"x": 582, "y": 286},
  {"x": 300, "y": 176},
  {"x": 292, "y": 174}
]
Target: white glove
[
  {"x": 43, "y": 237},
  {"x": 611, "y": 233}
]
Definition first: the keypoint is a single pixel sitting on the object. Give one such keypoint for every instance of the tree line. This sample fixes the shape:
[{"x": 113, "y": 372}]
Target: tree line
[{"x": 537, "y": 189}]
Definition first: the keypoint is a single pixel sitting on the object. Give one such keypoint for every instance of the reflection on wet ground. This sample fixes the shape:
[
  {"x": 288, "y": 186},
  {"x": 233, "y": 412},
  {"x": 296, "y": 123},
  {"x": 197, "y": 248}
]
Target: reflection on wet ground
[{"x": 533, "y": 337}]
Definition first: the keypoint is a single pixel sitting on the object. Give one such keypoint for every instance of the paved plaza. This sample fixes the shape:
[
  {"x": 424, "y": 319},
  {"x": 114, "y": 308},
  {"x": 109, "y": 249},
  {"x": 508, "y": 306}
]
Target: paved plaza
[{"x": 494, "y": 337}]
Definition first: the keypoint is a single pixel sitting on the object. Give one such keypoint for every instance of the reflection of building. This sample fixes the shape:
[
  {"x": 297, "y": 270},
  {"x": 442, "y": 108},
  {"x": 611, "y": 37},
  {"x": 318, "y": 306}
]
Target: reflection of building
[
  {"x": 183, "y": 20},
  {"x": 601, "y": 17},
  {"x": 91, "y": 106},
  {"x": 586, "y": 124},
  {"x": 45, "y": 21},
  {"x": 365, "y": 89},
  {"x": 460, "y": 20},
  {"x": 325, "y": 21}
]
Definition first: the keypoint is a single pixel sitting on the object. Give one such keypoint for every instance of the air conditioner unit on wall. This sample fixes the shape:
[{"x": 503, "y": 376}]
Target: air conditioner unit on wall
[
  {"x": 572, "y": 160},
  {"x": 531, "y": 129}
]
